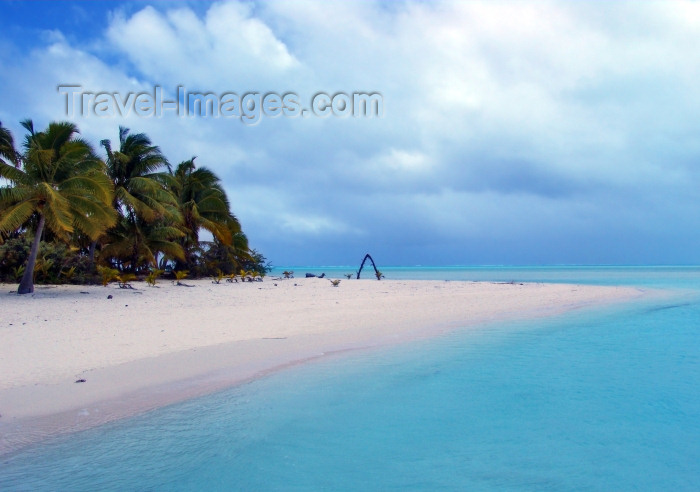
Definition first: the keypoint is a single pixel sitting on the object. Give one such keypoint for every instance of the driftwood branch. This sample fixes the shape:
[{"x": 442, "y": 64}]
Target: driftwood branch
[{"x": 367, "y": 257}]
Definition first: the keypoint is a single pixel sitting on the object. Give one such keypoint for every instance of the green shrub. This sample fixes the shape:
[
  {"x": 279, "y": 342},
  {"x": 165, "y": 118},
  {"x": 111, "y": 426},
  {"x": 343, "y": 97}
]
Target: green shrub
[{"x": 56, "y": 263}]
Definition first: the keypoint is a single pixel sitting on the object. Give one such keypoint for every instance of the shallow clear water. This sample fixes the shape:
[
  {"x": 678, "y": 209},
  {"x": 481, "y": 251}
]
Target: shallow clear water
[{"x": 594, "y": 400}]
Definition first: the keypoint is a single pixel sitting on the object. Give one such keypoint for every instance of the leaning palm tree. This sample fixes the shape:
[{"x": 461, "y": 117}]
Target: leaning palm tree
[
  {"x": 61, "y": 184},
  {"x": 239, "y": 250},
  {"x": 203, "y": 204},
  {"x": 229, "y": 258},
  {"x": 240, "y": 247}
]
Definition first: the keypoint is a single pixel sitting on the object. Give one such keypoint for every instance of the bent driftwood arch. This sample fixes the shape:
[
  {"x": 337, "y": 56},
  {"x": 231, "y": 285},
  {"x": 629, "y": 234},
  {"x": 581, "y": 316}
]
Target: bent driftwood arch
[{"x": 367, "y": 257}]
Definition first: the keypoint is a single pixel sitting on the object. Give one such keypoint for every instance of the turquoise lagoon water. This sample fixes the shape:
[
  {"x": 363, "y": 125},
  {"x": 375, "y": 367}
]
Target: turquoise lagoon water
[
  {"x": 651, "y": 276},
  {"x": 604, "y": 399}
]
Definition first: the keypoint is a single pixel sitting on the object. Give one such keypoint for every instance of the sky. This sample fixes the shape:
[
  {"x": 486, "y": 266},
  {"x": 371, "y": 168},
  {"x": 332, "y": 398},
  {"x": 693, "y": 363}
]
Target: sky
[{"x": 511, "y": 132}]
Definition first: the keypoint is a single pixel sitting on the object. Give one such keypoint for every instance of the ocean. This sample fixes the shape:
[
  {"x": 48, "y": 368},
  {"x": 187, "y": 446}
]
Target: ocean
[{"x": 597, "y": 399}]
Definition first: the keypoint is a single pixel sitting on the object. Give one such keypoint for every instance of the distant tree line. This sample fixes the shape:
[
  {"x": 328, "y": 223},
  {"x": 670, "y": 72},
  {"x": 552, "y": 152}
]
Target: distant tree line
[{"x": 65, "y": 211}]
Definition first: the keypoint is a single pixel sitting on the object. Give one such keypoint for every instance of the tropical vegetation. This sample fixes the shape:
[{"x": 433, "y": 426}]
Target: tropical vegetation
[{"x": 70, "y": 215}]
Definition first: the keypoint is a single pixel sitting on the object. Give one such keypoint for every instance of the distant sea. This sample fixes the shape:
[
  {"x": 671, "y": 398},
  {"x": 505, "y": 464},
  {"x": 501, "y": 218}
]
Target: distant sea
[
  {"x": 604, "y": 399},
  {"x": 648, "y": 276}
]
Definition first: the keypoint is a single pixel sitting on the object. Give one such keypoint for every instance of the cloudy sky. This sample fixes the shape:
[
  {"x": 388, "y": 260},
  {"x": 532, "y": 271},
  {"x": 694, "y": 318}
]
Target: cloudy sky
[{"x": 512, "y": 132}]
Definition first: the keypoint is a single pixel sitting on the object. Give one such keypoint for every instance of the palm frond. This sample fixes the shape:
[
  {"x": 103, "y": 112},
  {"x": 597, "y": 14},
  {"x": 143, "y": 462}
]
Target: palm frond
[
  {"x": 7, "y": 147},
  {"x": 14, "y": 217},
  {"x": 10, "y": 195},
  {"x": 13, "y": 174}
]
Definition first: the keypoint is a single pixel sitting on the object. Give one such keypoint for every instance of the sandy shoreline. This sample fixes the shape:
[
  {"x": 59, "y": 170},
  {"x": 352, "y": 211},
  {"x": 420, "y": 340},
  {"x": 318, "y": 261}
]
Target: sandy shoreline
[{"x": 151, "y": 347}]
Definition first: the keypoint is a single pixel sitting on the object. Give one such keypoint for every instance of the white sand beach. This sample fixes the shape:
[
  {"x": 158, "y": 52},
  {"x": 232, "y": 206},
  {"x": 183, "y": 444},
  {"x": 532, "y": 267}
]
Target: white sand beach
[{"x": 150, "y": 347}]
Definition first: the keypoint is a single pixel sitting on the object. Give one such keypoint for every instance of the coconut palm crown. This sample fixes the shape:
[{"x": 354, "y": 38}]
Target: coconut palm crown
[{"x": 137, "y": 169}]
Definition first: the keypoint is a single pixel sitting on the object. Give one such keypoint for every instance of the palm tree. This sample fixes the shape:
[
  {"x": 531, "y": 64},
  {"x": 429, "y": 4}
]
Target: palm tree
[
  {"x": 138, "y": 170},
  {"x": 229, "y": 258},
  {"x": 61, "y": 183},
  {"x": 239, "y": 245},
  {"x": 8, "y": 154},
  {"x": 203, "y": 205}
]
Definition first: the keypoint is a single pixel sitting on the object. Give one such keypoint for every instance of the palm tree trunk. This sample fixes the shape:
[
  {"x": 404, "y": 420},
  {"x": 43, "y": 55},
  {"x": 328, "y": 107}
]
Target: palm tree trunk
[
  {"x": 93, "y": 245},
  {"x": 26, "y": 285}
]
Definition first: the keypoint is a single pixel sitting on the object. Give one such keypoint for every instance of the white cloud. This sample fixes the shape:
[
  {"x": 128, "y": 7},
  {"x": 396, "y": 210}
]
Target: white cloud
[
  {"x": 402, "y": 160},
  {"x": 227, "y": 46}
]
